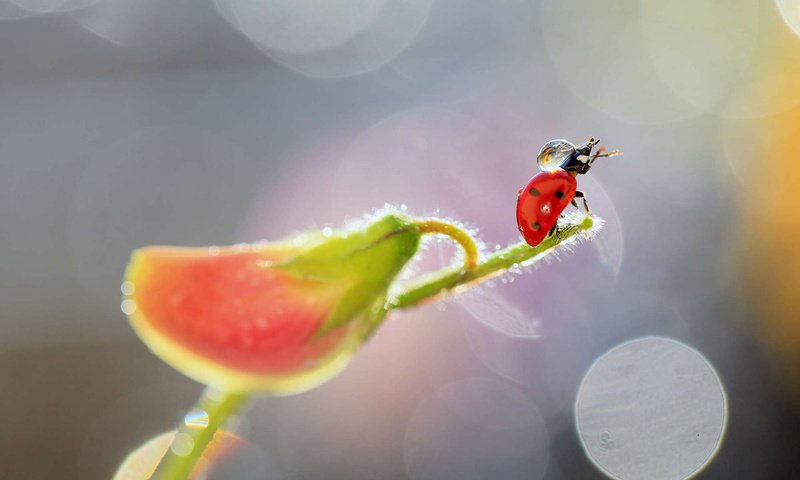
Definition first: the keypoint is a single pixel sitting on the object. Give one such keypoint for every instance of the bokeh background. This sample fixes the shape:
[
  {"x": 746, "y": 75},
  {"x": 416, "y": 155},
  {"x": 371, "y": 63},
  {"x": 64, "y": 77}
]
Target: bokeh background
[{"x": 132, "y": 122}]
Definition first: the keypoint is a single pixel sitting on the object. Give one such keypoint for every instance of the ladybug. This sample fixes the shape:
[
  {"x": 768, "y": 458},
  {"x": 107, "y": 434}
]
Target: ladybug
[{"x": 548, "y": 193}]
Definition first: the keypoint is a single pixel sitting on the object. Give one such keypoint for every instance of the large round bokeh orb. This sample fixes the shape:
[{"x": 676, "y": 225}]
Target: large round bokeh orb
[{"x": 652, "y": 408}]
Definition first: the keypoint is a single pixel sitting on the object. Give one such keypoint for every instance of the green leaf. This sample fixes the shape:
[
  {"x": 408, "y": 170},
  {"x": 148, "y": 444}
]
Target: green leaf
[{"x": 365, "y": 259}]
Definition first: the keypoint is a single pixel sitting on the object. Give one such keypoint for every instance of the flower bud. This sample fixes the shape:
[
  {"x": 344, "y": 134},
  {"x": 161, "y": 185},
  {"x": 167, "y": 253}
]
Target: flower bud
[{"x": 270, "y": 317}]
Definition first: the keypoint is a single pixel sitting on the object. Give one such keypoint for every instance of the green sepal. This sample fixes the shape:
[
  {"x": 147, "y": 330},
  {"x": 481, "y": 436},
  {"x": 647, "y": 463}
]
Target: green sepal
[
  {"x": 374, "y": 317},
  {"x": 364, "y": 260}
]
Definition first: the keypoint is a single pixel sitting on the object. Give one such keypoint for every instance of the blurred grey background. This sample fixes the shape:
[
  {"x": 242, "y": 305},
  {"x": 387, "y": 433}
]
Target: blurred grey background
[{"x": 125, "y": 123}]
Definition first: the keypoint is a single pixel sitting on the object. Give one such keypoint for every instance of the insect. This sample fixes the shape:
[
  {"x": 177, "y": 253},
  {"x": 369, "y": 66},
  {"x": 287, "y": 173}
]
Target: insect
[{"x": 547, "y": 194}]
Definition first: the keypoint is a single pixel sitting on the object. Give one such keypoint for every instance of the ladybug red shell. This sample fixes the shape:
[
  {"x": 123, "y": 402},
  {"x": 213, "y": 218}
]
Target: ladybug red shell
[
  {"x": 548, "y": 193},
  {"x": 540, "y": 203}
]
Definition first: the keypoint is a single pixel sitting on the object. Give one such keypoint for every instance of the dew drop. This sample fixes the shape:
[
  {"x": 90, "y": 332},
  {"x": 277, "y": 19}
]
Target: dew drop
[
  {"x": 127, "y": 288},
  {"x": 555, "y": 154},
  {"x": 128, "y": 307},
  {"x": 182, "y": 444},
  {"x": 327, "y": 231},
  {"x": 196, "y": 419}
]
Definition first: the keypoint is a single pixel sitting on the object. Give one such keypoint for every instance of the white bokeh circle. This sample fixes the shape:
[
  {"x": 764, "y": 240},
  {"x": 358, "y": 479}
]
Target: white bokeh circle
[
  {"x": 790, "y": 12},
  {"x": 324, "y": 39},
  {"x": 702, "y": 56},
  {"x": 652, "y": 408},
  {"x": 301, "y": 26},
  {"x": 148, "y": 27},
  {"x": 598, "y": 51}
]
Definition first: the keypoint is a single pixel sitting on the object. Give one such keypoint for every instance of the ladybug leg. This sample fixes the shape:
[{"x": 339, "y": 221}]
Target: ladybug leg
[
  {"x": 579, "y": 194},
  {"x": 555, "y": 230}
]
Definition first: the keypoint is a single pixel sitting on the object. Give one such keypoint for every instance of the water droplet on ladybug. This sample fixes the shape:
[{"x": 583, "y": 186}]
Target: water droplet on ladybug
[{"x": 554, "y": 155}]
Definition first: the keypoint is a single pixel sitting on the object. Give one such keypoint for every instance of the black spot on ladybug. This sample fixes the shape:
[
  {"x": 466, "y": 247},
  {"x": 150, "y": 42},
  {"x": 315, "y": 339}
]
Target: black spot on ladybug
[
  {"x": 534, "y": 192},
  {"x": 536, "y": 225},
  {"x": 559, "y": 194}
]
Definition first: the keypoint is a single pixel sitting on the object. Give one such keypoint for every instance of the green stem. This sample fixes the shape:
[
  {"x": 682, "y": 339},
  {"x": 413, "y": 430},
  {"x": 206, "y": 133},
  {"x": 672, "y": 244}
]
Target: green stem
[
  {"x": 191, "y": 441},
  {"x": 433, "y": 226},
  {"x": 432, "y": 286}
]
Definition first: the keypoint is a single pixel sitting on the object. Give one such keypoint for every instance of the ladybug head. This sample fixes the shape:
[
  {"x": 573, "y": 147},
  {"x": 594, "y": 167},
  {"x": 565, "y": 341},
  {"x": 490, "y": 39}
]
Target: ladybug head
[
  {"x": 586, "y": 148},
  {"x": 582, "y": 159}
]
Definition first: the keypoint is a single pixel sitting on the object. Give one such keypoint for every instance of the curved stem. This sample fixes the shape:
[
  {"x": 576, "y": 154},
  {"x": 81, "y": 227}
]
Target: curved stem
[
  {"x": 190, "y": 442},
  {"x": 432, "y": 286},
  {"x": 456, "y": 233}
]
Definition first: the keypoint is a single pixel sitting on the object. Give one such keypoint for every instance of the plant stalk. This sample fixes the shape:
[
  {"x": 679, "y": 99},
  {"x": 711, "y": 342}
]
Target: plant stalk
[{"x": 191, "y": 440}]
